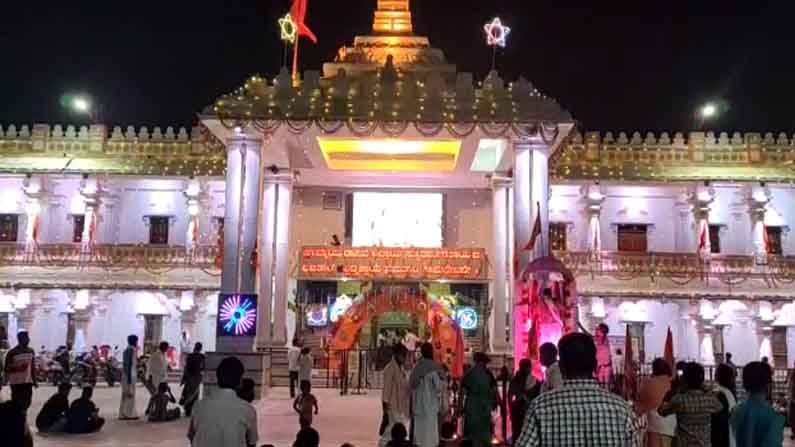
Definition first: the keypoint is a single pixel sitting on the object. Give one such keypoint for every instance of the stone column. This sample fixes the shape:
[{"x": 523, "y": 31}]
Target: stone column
[
  {"x": 196, "y": 197},
  {"x": 35, "y": 198},
  {"x": 501, "y": 191},
  {"x": 91, "y": 191},
  {"x": 531, "y": 194},
  {"x": 240, "y": 227},
  {"x": 274, "y": 258},
  {"x": 593, "y": 202},
  {"x": 701, "y": 199},
  {"x": 758, "y": 198}
]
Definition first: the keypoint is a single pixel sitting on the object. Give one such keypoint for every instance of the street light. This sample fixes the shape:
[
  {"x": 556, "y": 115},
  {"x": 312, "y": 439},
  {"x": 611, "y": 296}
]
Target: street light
[{"x": 709, "y": 110}]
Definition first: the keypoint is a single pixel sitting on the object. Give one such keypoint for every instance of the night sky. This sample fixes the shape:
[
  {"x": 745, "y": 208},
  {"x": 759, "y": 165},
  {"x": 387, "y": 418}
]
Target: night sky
[{"x": 616, "y": 65}]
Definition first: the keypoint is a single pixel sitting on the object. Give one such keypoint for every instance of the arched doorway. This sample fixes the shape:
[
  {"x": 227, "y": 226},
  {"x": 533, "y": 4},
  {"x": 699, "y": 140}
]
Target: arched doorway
[{"x": 446, "y": 335}]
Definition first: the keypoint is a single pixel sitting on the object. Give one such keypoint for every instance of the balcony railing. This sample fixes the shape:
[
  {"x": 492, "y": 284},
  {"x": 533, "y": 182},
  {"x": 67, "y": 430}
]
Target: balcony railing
[
  {"x": 681, "y": 268},
  {"x": 111, "y": 257}
]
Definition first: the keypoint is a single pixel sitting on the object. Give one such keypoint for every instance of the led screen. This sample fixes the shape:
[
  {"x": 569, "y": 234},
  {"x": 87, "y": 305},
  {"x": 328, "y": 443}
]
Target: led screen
[
  {"x": 397, "y": 219},
  {"x": 237, "y": 315}
]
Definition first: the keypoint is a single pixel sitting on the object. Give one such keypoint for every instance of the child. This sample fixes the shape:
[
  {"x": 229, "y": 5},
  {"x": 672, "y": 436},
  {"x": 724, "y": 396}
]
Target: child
[
  {"x": 158, "y": 405},
  {"x": 304, "y": 404}
]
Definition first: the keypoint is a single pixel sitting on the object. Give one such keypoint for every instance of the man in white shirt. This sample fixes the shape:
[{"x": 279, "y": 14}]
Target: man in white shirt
[
  {"x": 395, "y": 395},
  {"x": 426, "y": 390},
  {"x": 293, "y": 352},
  {"x": 305, "y": 364},
  {"x": 223, "y": 419},
  {"x": 549, "y": 359},
  {"x": 157, "y": 368}
]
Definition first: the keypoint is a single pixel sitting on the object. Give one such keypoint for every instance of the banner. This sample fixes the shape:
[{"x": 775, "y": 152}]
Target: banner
[{"x": 393, "y": 263}]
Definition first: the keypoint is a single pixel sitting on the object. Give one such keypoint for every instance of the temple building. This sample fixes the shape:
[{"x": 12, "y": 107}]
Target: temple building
[{"x": 389, "y": 172}]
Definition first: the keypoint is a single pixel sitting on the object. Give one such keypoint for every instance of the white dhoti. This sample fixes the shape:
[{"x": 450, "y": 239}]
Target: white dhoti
[
  {"x": 426, "y": 430},
  {"x": 394, "y": 418},
  {"x": 127, "y": 409}
]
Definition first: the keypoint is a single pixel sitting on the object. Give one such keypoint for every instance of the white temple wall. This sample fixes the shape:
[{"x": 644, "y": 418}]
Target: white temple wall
[
  {"x": 152, "y": 198},
  {"x": 646, "y": 205},
  {"x": 12, "y": 201},
  {"x": 57, "y": 219},
  {"x": 204, "y": 331},
  {"x": 566, "y": 206},
  {"x": 781, "y": 212}
]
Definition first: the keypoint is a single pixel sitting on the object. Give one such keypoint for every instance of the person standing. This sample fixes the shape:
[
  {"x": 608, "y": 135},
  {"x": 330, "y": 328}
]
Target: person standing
[
  {"x": 754, "y": 422},
  {"x": 129, "y": 378},
  {"x": 305, "y": 404},
  {"x": 185, "y": 349},
  {"x": 693, "y": 407},
  {"x": 157, "y": 368},
  {"x": 618, "y": 372},
  {"x": 661, "y": 430},
  {"x": 721, "y": 435},
  {"x": 523, "y": 389},
  {"x": 305, "y": 364},
  {"x": 20, "y": 371},
  {"x": 293, "y": 352},
  {"x": 480, "y": 399},
  {"x": 553, "y": 379},
  {"x": 425, "y": 384},
  {"x": 604, "y": 356},
  {"x": 581, "y": 412},
  {"x": 223, "y": 419},
  {"x": 395, "y": 395},
  {"x": 192, "y": 378}
]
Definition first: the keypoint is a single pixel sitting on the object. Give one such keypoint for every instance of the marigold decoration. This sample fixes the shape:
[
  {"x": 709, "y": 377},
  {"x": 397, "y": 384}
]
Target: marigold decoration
[
  {"x": 287, "y": 29},
  {"x": 496, "y": 33}
]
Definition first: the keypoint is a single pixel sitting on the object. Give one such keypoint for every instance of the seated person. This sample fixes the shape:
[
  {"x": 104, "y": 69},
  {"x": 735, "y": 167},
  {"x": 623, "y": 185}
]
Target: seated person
[
  {"x": 53, "y": 415},
  {"x": 246, "y": 391},
  {"x": 307, "y": 437},
  {"x": 84, "y": 415},
  {"x": 399, "y": 436},
  {"x": 158, "y": 410}
]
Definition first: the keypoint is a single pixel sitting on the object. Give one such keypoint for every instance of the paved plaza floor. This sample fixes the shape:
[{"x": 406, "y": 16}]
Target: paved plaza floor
[{"x": 352, "y": 419}]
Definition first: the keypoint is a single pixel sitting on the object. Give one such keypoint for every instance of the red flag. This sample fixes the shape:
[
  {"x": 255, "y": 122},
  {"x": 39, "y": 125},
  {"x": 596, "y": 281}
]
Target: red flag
[
  {"x": 536, "y": 229},
  {"x": 195, "y": 234},
  {"x": 668, "y": 351},
  {"x": 766, "y": 239},
  {"x": 702, "y": 237},
  {"x": 255, "y": 256},
  {"x": 630, "y": 371},
  {"x": 298, "y": 13}
]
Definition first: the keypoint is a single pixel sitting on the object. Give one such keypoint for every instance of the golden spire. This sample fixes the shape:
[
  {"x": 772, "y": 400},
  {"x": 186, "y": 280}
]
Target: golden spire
[{"x": 392, "y": 17}]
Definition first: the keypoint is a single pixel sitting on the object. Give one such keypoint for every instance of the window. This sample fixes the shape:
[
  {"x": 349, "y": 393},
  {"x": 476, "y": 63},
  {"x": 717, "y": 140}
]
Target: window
[
  {"x": 71, "y": 329},
  {"x": 79, "y": 225},
  {"x": 778, "y": 344},
  {"x": 773, "y": 241},
  {"x": 632, "y": 238},
  {"x": 9, "y": 227},
  {"x": 158, "y": 230},
  {"x": 153, "y": 332},
  {"x": 714, "y": 238},
  {"x": 557, "y": 236}
]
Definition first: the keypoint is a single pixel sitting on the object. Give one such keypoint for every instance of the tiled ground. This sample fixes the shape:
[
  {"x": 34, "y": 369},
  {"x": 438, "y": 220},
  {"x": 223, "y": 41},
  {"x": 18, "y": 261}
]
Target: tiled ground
[{"x": 351, "y": 419}]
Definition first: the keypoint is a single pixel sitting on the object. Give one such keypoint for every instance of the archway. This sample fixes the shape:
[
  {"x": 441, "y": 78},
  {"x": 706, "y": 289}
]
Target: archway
[{"x": 447, "y": 337}]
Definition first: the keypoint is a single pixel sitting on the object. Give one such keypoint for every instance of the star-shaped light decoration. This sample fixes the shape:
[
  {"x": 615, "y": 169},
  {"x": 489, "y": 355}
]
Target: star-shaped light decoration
[
  {"x": 287, "y": 29},
  {"x": 496, "y": 33}
]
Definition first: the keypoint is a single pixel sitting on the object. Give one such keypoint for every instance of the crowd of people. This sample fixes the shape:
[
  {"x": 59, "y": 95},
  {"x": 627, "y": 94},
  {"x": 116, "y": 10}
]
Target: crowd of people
[{"x": 568, "y": 406}]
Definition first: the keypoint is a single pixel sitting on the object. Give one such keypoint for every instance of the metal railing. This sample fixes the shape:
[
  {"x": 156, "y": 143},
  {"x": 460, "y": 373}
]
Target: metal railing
[
  {"x": 109, "y": 256},
  {"x": 680, "y": 267}
]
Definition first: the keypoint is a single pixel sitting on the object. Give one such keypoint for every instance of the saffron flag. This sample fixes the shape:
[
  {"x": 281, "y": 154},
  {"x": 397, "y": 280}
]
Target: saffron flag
[
  {"x": 536, "y": 229},
  {"x": 766, "y": 239},
  {"x": 630, "y": 371},
  {"x": 668, "y": 351},
  {"x": 298, "y": 13},
  {"x": 703, "y": 237}
]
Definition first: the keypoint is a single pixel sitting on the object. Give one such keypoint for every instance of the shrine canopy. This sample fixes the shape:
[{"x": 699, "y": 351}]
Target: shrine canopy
[{"x": 390, "y": 84}]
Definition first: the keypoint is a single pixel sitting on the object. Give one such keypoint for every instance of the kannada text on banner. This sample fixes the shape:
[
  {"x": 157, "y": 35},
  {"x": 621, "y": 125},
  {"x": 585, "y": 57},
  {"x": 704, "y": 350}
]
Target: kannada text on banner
[{"x": 394, "y": 263}]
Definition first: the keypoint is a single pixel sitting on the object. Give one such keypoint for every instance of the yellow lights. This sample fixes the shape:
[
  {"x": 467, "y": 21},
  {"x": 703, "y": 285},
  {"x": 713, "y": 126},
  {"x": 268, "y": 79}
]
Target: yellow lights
[
  {"x": 390, "y": 154},
  {"x": 393, "y": 17},
  {"x": 287, "y": 29}
]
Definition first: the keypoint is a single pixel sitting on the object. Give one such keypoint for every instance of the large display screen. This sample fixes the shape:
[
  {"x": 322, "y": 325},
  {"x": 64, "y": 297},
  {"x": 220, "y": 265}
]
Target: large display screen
[
  {"x": 391, "y": 219},
  {"x": 237, "y": 315}
]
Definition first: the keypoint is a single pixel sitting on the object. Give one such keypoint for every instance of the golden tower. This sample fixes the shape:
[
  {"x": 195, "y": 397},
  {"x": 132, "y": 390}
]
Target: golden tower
[{"x": 392, "y": 17}]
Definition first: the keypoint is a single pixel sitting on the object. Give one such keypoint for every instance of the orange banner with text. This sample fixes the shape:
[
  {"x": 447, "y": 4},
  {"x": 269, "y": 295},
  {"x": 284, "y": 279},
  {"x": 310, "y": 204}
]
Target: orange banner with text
[{"x": 394, "y": 263}]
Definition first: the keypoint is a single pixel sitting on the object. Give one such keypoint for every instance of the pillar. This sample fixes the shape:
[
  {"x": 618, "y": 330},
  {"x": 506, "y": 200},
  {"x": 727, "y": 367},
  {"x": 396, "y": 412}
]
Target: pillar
[
  {"x": 531, "y": 196},
  {"x": 35, "y": 198},
  {"x": 501, "y": 192},
  {"x": 91, "y": 191},
  {"x": 702, "y": 198},
  {"x": 191, "y": 192},
  {"x": 240, "y": 227},
  {"x": 758, "y": 198},
  {"x": 593, "y": 202},
  {"x": 274, "y": 258}
]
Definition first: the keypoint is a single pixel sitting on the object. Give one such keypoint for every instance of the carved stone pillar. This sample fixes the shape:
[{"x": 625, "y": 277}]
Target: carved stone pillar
[
  {"x": 593, "y": 208},
  {"x": 92, "y": 192},
  {"x": 758, "y": 199},
  {"x": 701, "y": 199},
  {"x": 195, "y": 195},
  {"x": 33, "y": 189},
  {"x": 531, "y": 197},
  {"x": 501, "y": 191}
]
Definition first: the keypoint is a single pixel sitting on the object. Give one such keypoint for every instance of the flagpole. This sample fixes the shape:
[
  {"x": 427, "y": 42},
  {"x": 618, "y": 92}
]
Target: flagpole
[{"x": 295, "y": 61}]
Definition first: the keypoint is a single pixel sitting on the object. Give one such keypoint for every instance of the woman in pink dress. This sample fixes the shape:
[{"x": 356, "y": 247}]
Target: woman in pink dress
[{"x": 604, "y": 357}]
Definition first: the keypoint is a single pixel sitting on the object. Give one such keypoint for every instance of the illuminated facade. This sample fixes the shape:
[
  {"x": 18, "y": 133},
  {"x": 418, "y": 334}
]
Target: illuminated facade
[{"x": 108, "y": 232}]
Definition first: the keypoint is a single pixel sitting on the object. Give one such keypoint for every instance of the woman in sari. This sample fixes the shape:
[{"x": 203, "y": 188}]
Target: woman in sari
[
  {"x": 192, "y": 379},
  {"x": 480, "y": 394}
]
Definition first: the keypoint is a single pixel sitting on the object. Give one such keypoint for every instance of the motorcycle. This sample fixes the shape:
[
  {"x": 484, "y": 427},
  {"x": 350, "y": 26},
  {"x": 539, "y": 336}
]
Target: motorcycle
[
  {"x": 85, "y": 371},
  {"x": 111, "y": 371}
]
